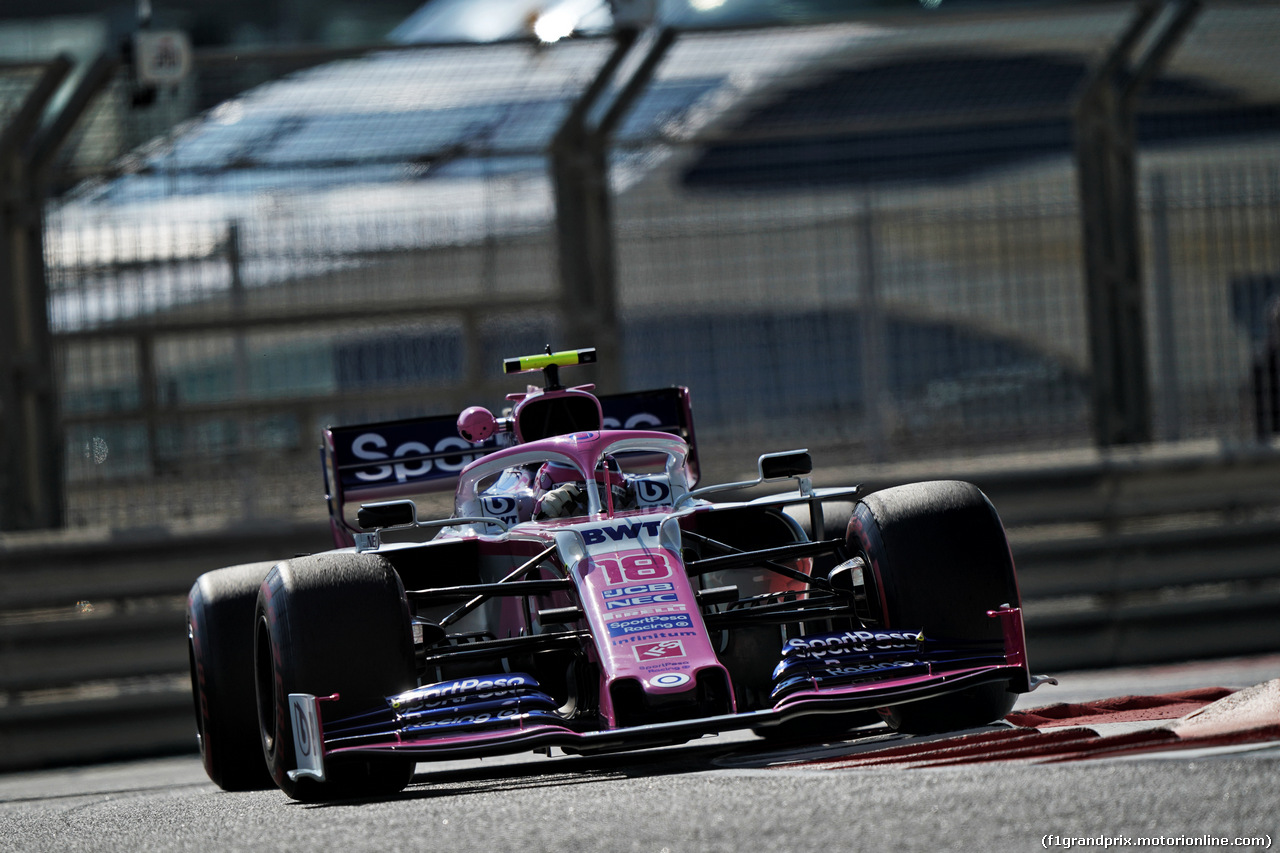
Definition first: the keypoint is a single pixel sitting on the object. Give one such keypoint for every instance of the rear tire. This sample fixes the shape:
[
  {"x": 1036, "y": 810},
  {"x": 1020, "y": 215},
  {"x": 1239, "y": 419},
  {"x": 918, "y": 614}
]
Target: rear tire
[
  {"x": 332, "y": 623},
  {"x": 220, "y": 610},
  {"x": 939, "y": 560}
]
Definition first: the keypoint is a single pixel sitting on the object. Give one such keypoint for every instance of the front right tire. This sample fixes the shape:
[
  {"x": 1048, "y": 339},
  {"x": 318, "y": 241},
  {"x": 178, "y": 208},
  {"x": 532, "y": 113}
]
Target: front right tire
[{"x": 939, "y": 561}]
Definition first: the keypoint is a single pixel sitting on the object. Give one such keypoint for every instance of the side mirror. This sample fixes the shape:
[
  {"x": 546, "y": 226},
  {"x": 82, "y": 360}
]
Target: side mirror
[
  {"x": 388, "y": 514},
  {"x": 771, "y": 466},
  {"x": 791, "y": 463}
]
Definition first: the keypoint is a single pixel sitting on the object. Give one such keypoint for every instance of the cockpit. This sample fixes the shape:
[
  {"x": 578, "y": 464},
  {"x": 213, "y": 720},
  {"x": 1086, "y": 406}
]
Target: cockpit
[{"x": 629, "y": 470}]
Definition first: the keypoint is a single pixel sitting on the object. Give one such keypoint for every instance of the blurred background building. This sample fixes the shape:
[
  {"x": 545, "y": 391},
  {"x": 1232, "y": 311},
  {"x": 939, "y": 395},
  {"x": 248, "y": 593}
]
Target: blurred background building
[{"x": 853, "y": 227}]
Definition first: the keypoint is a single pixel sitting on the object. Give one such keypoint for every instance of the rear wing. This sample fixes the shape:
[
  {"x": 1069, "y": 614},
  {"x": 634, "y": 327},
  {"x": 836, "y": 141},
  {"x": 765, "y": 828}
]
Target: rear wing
[{"x": 395, "y": 459}]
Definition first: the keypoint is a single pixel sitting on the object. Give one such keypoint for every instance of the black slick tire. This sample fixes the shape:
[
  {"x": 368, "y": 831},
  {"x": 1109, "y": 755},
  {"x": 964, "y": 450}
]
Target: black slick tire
[
  {"x": 220, "y": 610},
  {"x": 325, "y": 624},
  {"x": 939, "y": 561}
]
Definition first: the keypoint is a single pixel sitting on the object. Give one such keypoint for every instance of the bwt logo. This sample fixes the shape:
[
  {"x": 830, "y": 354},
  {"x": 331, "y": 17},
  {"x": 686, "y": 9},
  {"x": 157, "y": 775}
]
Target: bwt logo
[
  {"x": 620, "y": 532},
  {"x": 372, "y": 447}
]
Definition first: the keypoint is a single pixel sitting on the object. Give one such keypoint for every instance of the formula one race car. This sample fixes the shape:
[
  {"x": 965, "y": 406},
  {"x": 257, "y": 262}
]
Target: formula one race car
[{"x": 588, "y": 594}]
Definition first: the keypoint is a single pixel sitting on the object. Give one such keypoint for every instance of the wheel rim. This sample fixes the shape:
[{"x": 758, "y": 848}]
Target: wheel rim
[
  {"x": 265, "y": 677},
  {"x": 196, "y": 692}
]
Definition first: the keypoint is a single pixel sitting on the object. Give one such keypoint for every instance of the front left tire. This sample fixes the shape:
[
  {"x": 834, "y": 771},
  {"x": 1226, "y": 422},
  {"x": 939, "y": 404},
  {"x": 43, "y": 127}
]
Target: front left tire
[{"x": 326, "y": 624}]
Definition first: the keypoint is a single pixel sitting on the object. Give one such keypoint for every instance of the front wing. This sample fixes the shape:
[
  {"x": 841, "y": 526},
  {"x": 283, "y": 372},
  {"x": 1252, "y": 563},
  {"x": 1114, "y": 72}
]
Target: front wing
[{"x": 508, "y": 713}]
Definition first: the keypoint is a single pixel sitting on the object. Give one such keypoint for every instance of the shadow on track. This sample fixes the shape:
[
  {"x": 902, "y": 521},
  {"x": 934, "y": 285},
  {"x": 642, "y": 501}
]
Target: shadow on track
[{"x": 568, "y": 770}]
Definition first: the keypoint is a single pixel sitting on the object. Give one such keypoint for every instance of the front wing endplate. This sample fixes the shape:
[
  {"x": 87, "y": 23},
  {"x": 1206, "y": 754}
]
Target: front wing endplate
[{"x": 308, "y": 739}]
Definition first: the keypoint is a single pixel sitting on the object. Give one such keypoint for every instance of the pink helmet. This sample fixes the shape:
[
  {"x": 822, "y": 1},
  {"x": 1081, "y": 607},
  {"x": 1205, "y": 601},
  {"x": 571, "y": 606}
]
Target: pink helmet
[{"x": 553, "y": 474}]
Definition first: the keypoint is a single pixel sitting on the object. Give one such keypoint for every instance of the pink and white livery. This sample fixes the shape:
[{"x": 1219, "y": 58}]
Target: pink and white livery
[{"x": 588, "y": 594}]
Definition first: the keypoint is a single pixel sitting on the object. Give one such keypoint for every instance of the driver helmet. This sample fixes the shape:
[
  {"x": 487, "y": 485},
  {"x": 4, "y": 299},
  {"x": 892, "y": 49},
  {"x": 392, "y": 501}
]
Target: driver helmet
[
  {"x": 553, "y": 474},
  {"x": 562, "y": 492}
]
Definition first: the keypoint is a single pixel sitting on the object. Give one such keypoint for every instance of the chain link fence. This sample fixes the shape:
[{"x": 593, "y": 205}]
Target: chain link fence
[
  {"x": 879, "y": 250},
  {"x": 864, "y": 238}
]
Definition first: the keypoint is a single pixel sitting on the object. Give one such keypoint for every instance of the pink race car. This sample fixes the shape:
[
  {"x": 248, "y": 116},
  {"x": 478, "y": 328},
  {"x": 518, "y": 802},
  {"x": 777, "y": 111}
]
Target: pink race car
[{"x": 588, "y": 594}]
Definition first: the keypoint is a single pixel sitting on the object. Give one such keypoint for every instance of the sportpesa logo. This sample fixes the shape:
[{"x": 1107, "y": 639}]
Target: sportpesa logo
[
  {"x": 417, "y": 459},
  {"x": 851, "y": 642},
  {"x": 460, "y": 690}
]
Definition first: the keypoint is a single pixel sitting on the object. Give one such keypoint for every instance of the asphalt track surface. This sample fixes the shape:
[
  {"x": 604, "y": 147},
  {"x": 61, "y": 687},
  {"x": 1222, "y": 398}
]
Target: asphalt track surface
[{"x": 717, "y": 794}]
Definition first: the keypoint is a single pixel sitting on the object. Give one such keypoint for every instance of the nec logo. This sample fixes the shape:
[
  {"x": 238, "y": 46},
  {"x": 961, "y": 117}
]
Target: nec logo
[
  {"x": 620, "y": 532},
  {"x": 640, "y": 600}
]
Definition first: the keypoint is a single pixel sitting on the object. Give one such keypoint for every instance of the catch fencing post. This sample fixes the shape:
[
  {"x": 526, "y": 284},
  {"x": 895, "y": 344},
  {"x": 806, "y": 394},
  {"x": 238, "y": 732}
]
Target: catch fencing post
[
  {"x": 1106, "y": 167},
  {"x": 32, "y": 446},
  {"x": 1169, "y": 407},
  {"x": 584, "y": 217}
]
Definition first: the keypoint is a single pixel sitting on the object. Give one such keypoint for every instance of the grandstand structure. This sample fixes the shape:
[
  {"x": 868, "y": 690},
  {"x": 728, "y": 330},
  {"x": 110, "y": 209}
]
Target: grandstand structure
[{"x": 867, "y": 236}]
